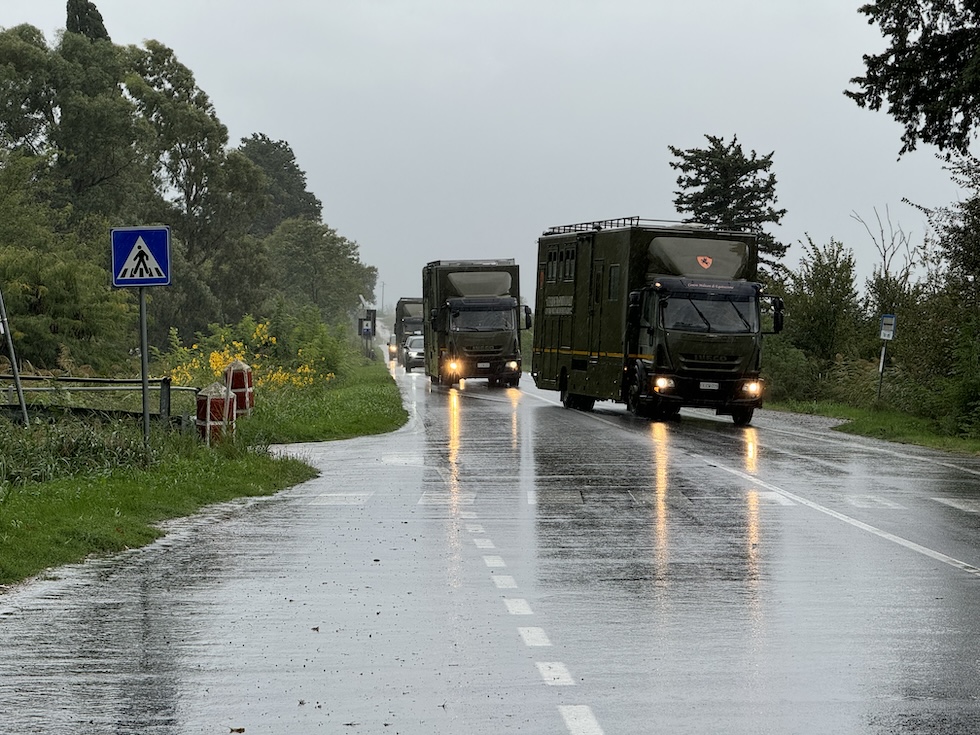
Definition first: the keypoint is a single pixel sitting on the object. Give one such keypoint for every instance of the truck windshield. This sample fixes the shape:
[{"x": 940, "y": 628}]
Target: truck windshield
[
  {"x": 723, "y": 313},
  {"x": 482, "y": 321}
]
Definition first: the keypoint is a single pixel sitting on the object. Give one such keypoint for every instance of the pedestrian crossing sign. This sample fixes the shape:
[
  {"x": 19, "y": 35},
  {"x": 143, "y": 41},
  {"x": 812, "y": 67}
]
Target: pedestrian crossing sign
[{"x": 140, "y": 256}]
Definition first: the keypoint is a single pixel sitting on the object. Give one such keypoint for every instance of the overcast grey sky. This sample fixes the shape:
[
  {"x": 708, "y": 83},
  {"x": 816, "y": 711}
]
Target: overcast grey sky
[{"x": 463, "y": 128}]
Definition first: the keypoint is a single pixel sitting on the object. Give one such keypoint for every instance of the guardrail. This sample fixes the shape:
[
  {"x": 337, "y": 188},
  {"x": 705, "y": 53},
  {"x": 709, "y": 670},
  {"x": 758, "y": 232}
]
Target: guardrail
[{"x": 163, "y": 385}]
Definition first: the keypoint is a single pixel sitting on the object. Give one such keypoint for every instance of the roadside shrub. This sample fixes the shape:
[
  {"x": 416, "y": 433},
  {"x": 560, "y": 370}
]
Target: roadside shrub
[{"x": 789, "y": 375}]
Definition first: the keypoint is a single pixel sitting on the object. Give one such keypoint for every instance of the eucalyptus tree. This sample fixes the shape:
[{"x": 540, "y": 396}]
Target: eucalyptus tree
[
  {"x": 721, "y": 185},
  {"x": 212, "y": 194},
  {"x": 288, "y": 196},
  {"x": 317, "y": 266}
]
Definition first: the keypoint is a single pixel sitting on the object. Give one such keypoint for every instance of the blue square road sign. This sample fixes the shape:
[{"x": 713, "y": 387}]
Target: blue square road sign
[{"x": 140, "y": 256}]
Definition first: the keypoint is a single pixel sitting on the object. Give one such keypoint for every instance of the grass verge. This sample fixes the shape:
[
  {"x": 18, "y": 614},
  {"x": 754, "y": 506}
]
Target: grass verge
[
  {"x": 68, "y": 518},
  {"x": 884, "y": 424}
]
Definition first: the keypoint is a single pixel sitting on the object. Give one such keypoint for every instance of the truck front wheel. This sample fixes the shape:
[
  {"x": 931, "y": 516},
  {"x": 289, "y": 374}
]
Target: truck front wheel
[
  {"x": 633, "y": 402},
  {"x": 742, "y": 416}
]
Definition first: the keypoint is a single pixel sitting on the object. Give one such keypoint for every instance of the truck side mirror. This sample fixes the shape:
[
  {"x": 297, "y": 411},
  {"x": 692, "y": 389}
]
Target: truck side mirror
[
  {"x": 527, "y": 317},
  {"x": 777, "y": 314}
]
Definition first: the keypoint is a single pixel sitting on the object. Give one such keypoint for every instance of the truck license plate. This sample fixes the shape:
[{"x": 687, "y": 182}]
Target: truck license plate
[
  {"x": 708, "y": 386},
  {"x": 483, "y": 364}
]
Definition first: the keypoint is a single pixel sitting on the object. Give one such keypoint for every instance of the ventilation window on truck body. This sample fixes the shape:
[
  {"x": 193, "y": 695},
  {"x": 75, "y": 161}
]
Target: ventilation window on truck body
[
  {"x": 613, "y": 294},
  {"x": 569, "y": 272},
  {"x": 552, "y": 273}
]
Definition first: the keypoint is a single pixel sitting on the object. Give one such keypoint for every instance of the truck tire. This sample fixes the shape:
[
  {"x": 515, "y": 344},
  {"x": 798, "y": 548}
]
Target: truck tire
[
  {"x": 742, "y": 416},
  {"x": 634, "y": 404}
]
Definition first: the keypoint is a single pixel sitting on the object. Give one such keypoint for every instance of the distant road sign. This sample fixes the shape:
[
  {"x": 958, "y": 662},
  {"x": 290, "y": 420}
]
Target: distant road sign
[
  {"x": 888, "y": 322},
  {"x": 140, "y": 256}
]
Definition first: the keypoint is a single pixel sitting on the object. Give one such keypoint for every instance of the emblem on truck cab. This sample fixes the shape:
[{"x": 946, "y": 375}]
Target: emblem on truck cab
[{"x": 705, "y": 261}]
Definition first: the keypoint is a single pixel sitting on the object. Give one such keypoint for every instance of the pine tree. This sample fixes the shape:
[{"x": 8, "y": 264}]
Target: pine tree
[{"x": 721, "y": 186}]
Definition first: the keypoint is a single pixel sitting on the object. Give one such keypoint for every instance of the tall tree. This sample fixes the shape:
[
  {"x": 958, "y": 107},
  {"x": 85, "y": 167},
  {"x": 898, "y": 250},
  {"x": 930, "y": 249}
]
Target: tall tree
[
  {"x": 28, "y": 89},
  {"x": 930, "y": 73},
  {"x": 104, "y": 149},
  {"x": 84, "y": 18},
  {"x": 720, "y": 185},
  {"x": 214, "y": 194},
  {"x": 317, "y": 266},
  {"x": 288, "y": 195}
]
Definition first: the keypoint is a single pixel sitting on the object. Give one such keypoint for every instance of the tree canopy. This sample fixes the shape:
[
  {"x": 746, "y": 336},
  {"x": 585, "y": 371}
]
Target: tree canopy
[
  {"x": 95, "y": 135},
  {"x": 720, "y": 185},
  {"x": 929, "y": 75}
]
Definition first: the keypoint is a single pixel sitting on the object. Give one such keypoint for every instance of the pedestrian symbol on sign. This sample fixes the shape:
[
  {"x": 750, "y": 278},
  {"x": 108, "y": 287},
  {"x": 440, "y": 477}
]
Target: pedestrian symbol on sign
[{"x": 140, "y": 264}]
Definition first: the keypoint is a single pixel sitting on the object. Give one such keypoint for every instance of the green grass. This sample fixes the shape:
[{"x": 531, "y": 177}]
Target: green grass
[
  {"x": 102, "y": 493},
  {"x": 884, "y": 424},
  {"x": 366, "y": 402}
]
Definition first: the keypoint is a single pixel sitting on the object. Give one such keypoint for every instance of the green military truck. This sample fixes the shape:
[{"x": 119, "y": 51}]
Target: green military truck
[
  {"x": 473, "y": 321},
  {"x": 408, "y": 321},
  {"x": 654, "y": 314}
]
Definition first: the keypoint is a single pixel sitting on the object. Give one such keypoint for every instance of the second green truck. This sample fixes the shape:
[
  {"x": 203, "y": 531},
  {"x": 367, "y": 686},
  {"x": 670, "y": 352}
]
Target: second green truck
[{"x": 473, "y": 320}]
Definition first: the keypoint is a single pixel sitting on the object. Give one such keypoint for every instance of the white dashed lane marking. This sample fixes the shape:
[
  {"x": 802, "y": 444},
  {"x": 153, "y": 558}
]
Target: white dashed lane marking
[
  {"x": 517, "y": 606},
  {"x": 555, "y": 674},
  {"x": 534, "y": 637},
  {"x": 579, "y": 720}
]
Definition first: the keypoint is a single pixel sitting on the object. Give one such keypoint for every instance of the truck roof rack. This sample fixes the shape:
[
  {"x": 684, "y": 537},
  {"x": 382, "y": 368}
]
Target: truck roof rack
[{"x": 621, "y": 222}]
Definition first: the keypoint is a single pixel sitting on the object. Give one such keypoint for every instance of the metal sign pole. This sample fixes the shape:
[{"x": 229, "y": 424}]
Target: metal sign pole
[
  {"x": 5, "y": 328},
  {"x": 145, "y": 361}
]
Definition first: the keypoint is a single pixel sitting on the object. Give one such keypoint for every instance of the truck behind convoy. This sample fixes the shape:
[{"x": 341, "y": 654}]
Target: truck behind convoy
[
  {"x": 473, "y": 321},
  {"x": 408, "y": 321},
  {"x": 656, "y": 315}
]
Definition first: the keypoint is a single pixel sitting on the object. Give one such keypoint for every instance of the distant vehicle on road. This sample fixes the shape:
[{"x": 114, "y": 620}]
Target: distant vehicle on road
[{"x": 414, "y": 355}]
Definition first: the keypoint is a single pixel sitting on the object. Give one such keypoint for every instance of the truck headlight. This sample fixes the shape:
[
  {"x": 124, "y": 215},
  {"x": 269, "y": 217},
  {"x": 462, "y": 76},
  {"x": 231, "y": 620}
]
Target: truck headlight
[
  {"x": 512, "y": 365},
  {"x": 662, "y": 383},
  {"x": 454, "y": 366},
  {"x": 752, "y": 388}
]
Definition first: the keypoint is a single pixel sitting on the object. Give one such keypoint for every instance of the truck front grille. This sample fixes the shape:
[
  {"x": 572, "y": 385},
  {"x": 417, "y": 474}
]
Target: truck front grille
[
  {"x": 483, "y": 350},
  {"x": 722, "y": 364}
]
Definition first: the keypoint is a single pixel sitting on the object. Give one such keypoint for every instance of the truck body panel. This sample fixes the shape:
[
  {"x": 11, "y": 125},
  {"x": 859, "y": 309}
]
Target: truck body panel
[
  {"x": 473, "y": 320},
  {"x": 623, "y": 304}
]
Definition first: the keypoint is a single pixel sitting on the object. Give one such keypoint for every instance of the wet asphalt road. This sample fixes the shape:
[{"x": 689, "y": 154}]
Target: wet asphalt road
[{"x": 502, "y": 564}]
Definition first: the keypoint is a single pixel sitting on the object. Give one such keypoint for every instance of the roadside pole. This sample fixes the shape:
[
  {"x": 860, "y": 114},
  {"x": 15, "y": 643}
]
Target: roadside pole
[
  {"x": 141, "y": 258},
  {"x": 887, "y": 334},
  {"x": 145, "y": 366},
  {"x": 14, "y": 370}
]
